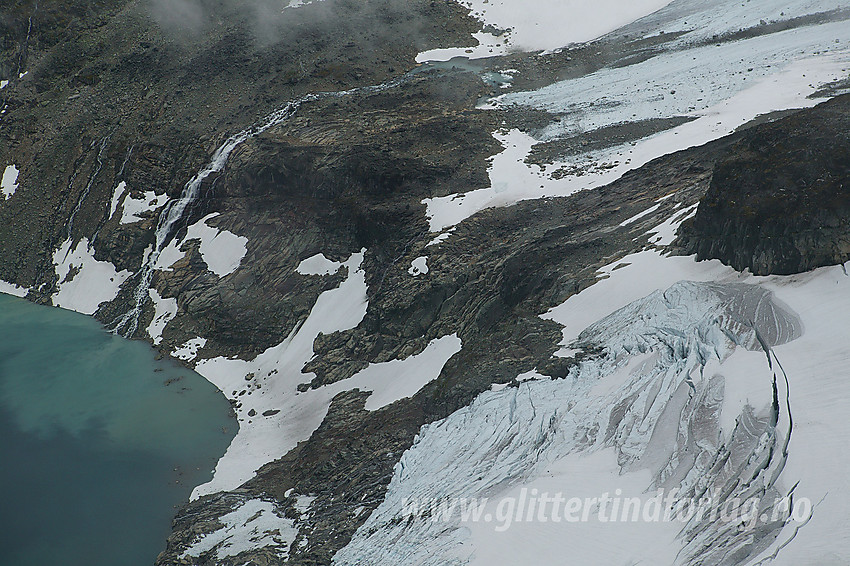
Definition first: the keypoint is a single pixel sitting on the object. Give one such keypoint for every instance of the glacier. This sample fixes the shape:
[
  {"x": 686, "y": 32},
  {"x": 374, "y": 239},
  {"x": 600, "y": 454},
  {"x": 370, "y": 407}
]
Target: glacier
[{"x": 689, "y": 389}]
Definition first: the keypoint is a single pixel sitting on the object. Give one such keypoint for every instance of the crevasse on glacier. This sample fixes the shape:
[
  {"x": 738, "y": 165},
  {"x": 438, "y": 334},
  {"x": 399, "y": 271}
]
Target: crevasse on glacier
[{"x": 650, "y": 395}]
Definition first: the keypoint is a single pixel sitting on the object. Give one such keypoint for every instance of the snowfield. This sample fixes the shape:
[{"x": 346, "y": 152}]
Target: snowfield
[
  {"x": 717, "y": 86},
  {"x": 538, "y": 25}
]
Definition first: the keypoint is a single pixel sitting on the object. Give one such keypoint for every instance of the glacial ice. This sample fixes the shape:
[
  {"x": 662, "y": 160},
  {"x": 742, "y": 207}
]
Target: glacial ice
[{"x": 647, "y": 397}]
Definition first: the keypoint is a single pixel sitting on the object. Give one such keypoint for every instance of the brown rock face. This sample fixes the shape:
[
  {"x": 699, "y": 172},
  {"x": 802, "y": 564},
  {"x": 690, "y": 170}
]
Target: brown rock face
[{"x": 779, "y": 201}]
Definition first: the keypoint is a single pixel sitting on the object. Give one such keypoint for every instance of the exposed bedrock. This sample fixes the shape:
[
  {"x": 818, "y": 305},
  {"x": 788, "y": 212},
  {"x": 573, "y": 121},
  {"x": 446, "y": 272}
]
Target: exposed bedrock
[{"x": 779, "y": 200}]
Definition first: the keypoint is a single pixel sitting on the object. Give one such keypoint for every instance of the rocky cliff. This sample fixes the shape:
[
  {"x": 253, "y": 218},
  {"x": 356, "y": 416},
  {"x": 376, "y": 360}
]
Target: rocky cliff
[{"x": 779, "y": 200}]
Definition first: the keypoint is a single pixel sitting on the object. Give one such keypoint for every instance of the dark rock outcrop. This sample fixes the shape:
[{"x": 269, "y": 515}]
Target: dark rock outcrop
[{"x": 779, "y": 201}]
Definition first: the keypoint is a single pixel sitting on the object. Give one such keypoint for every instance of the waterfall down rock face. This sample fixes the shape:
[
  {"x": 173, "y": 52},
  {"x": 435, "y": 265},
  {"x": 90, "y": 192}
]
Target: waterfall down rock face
[
  {"x": 366, "y": 221},
  {"x": 779, "y": 200}
]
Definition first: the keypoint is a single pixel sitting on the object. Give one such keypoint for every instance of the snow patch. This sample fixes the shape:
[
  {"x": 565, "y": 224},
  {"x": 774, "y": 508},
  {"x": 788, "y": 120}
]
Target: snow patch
[
  {"x": 170, "y": 254},
  {"x": 640, "y": 215},
  {"x": 440, "y": 239},
  {"x": 253, "y": 525},
  {"x": 399, "y": 379},
  {"x": 164, "y": 312},
  {"x": 511, "y": 180},
  {"x": 299, "y": 3},
  {"x": 12, "y": 289},
  {"x": 489, "y": 45},
  {"x": 665, "y": 233},
  {"x": 418, "y": 266},
  {"x": 119, "y": 191},
  {"x": 9, "y": 183},
  {"x": 530, "y": 375},
  {"x": 134, "y": 208},
  {"x": 84, "y": 283},
  {"x": 221, "y": 250},
  {"x": 318, "y": 265},
  {"x": 189, "y": 350}
]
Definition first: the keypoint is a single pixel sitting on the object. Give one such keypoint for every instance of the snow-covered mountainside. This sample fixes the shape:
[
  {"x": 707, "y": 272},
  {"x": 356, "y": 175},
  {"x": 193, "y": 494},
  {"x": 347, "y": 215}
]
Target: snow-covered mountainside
[{"x": 436, "y": 256}]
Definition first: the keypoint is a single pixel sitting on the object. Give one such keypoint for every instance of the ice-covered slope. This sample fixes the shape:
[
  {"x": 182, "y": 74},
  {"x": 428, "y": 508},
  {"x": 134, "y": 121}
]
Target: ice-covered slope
[
  {"x": 669, "y": 361},
  {"x": 546, "y": 25},
  {"x": 728, "y": 64},
  {"x": 537, "y": 25},
  {"x": 694, "y": 394},
  {"x": 701, "y": 20}
]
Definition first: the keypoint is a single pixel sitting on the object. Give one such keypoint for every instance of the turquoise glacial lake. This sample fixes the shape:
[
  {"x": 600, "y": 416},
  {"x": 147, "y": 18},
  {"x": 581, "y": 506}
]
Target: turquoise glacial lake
[{"x": 100, "y": 443}]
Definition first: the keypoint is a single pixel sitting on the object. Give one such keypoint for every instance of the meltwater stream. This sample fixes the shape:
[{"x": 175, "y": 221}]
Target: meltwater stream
[
  {"x": 173, "y": 212},
  {"x": 99, "y": 441}
]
